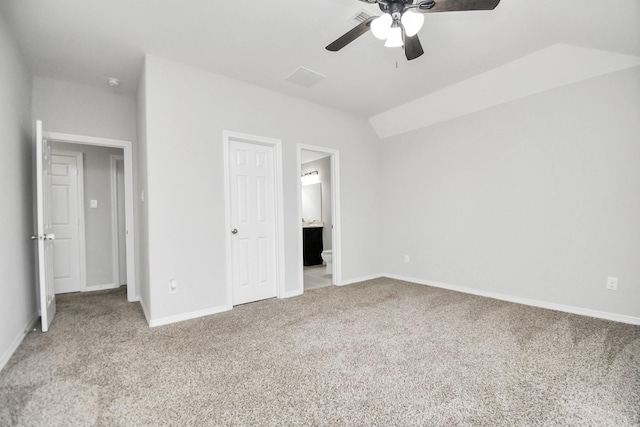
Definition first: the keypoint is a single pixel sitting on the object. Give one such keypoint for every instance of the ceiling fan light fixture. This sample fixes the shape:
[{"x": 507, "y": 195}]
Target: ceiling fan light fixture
[
  {"x": 395, "y": 37},
  {"x": 405, "y": 24},
  {"x": 381, "y": 25},
  {"x": 412, "y": 22}
]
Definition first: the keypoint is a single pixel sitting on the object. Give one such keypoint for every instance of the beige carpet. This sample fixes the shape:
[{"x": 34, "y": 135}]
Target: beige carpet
[{"x": 381, "y": 352}]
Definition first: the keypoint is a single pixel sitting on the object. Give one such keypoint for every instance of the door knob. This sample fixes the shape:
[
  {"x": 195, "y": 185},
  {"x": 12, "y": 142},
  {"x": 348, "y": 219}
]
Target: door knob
[
  {"x": 234, "y": 231},
  {"x": 49, "y": 237},
  {"x": 33, "y": 237}
]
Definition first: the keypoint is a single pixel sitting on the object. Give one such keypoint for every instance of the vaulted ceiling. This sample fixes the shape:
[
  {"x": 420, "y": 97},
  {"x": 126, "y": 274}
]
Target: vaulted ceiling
[{"x": 264, "y": 42}]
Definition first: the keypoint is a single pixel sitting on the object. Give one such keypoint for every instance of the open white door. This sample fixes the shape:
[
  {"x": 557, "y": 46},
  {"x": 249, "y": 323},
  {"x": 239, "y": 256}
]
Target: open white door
[{"x": 44, "y": 235}]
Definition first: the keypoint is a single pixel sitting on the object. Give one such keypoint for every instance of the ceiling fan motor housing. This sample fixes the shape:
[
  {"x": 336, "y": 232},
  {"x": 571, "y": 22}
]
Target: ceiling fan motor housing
[
  {"x": 395, "y": 9},
  {"x": 386, "y": 6}
]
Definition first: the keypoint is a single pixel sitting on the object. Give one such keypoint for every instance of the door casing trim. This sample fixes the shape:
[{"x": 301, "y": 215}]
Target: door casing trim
[
  {"x": 334, "y": 154},
  {"x": 133, "y": 291}
]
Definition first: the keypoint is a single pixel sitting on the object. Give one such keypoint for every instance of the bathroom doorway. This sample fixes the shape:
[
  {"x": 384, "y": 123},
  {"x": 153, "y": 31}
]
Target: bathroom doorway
[{"x": 319, "y": 215}]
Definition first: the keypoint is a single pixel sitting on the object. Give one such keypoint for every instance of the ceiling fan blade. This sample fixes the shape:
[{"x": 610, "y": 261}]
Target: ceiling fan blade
[
  {"x": 351, "y": 35},
  {"x": 412, "y": 47},
  {"x": 431, "y": 6}
]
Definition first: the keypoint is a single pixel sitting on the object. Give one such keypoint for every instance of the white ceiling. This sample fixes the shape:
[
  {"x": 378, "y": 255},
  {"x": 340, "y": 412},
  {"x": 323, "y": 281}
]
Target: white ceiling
[{"x": 87, "y": 41}]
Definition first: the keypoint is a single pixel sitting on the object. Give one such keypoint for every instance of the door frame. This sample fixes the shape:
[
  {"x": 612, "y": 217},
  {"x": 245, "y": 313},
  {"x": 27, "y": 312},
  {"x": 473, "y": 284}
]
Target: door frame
[
  {"x": 133, "y": 293},
  {"x": 334, "y": 156},
  {"x": 79, "y": 155},
  {"x": 115, "y": 232},
  {"x": 276, "y": 144}
]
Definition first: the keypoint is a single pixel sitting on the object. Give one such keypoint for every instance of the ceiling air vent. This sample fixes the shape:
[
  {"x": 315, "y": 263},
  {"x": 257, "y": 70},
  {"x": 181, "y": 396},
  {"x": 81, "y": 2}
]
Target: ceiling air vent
[
  {"x": 304, "y": 77},
  {"x": 361, "y": 16}
]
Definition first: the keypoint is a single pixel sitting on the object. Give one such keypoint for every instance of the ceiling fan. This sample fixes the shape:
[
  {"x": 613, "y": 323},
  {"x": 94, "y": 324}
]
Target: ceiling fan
[{"x": 399, "y": 24}]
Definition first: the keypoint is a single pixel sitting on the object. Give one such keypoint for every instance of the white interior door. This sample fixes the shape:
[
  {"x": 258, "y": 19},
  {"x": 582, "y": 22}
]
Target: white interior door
[
  {"x": 44, "y": 235},
  {"x": 66, "y": 224},
  {"x": 252, "y": 213}
]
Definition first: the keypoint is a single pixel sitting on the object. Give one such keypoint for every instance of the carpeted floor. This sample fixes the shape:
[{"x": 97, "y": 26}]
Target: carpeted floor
[{"x": 381, "y": 352}]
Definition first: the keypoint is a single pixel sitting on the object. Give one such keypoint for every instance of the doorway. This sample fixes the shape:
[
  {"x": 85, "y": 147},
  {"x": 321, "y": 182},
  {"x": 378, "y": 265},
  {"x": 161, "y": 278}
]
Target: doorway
[
  {"x": 318, "y": 201},
  {"x": 97, "y": 249},
  {"x": 100, "y": 266}
]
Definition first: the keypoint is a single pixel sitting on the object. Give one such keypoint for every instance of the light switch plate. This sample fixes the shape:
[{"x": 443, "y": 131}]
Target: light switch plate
[
  {"x": 94, "y": 204},
  {"x": 173, "y": 286}
]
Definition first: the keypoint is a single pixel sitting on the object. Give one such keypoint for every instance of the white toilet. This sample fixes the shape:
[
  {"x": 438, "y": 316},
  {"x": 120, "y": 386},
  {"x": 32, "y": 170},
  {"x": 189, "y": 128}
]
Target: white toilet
[{"x": 327, "y": 257}]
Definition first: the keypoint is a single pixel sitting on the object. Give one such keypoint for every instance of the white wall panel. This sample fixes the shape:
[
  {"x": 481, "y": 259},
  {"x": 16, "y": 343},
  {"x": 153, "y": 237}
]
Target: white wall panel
[
  {"x": 18, "y": 303},
  {"x": 538, "y": 198}
]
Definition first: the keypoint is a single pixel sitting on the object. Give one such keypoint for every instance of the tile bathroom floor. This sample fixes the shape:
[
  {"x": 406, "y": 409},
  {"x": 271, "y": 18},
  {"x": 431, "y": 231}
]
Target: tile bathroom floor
[{"x": 315, "y": 277}]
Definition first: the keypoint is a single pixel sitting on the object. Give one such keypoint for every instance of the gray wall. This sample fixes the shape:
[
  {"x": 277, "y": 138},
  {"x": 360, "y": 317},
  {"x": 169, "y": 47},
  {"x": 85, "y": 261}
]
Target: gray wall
[
  {"x": 84, "y": 110},
  {"x": 323, "y": 166},
  {"x": 18, "y": 302},
  {"x": 186, "y": 111},
  {"x": 98, "y": 222},
  {"x": 538, "y": 198}
]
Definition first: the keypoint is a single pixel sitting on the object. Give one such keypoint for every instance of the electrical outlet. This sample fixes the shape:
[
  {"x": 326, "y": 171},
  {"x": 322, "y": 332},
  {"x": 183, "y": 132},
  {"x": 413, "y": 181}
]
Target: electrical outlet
[
  {"x": 173, "y": 286},
  {"x": 406, "y": 259},
  {"x": 612, "y": 283}
]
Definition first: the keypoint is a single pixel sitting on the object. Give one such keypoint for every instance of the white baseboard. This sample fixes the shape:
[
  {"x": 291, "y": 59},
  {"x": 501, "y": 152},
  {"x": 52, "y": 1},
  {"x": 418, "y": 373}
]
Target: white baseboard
[
  {"x": 17, "y": 341},
  {"x": 101, "y": 287},
  {"x": 360, "y": 279},
  {"x": 525, "y": 301},
  {"x": 291, "y": 294},
  {"x": 186, "y": 316}
]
